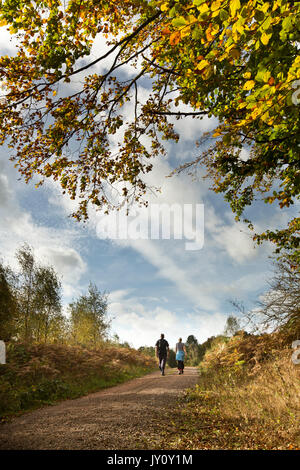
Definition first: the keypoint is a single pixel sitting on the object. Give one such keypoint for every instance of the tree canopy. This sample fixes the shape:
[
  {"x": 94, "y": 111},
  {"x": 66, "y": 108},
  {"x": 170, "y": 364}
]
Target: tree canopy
[
  {"x": 88, "y": 324},
  {"x": 235, "y": 60},
  {"x": 232, "y": 326}
]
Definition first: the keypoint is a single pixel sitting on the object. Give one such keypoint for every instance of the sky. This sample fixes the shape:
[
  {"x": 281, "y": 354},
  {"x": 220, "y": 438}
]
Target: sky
[{"x": 155, "y": 286}]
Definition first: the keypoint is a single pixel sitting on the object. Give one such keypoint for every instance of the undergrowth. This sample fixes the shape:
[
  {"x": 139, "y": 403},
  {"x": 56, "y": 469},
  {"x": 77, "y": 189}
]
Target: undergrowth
[
  {"x": 39, "y": 374},
  {"x": 248, "y": 397}
]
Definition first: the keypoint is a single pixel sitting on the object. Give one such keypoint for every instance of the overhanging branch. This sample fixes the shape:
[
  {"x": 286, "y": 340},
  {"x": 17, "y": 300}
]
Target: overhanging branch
[{"x": 174, "y": 113}]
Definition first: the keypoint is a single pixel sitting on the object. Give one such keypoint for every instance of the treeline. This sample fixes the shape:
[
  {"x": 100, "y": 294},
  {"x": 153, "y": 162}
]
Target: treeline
[
  {"x": 31, "y": 306},
  {"x": 195, "y": 351}
]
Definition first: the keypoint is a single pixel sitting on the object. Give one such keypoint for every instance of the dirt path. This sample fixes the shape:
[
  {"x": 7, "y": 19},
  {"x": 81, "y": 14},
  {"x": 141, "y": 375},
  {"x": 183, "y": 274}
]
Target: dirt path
[{"x": 128, "y": 416}]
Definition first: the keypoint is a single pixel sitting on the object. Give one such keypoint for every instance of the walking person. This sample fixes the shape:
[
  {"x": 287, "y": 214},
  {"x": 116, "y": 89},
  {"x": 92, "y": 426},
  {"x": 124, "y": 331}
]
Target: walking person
[
  {"x": 162, "y": 352},
  {"x": 180, "y": 355}
]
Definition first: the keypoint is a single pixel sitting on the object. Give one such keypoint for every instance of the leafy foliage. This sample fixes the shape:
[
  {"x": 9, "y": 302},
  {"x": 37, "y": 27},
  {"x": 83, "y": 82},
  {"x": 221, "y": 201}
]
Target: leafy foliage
[
  {"x": 232, "y": 325},
  {"x": 31, "y": 306},
  {"x": 171, "y": 361},
  {"x": 247, "y": 64},
  {"x": 236, "y": 60},
  {"x": 147, "y": 350},
  {"x": 88, "y": 325},
  {"x": 37, "y": 291}
]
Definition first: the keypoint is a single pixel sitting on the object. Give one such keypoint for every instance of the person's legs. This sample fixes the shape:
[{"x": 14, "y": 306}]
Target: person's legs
[{"x": 162, "y": 362}]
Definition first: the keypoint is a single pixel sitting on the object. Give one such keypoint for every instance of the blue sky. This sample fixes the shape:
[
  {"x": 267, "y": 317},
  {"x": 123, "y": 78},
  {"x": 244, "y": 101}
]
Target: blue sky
[{"x": 155, "y": 285}]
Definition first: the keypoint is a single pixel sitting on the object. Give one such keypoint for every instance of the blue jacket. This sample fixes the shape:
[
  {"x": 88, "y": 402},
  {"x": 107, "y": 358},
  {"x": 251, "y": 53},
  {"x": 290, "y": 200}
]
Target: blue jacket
[{"x": 180, "y": 356}]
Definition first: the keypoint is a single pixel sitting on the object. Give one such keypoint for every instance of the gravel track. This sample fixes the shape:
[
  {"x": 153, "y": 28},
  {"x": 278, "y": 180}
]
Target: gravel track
[{"x": 128, "y": 416}]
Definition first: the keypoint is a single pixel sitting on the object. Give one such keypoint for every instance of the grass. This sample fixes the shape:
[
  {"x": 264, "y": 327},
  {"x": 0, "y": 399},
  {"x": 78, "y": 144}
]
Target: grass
[{"x": 37, "y": 375}]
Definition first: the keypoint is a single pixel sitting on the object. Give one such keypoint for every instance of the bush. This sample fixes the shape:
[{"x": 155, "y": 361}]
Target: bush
[
  {"x": 172, "y": 359},
  {"x": 248, "y": 397},
  {"x": 37, "y": 374}
]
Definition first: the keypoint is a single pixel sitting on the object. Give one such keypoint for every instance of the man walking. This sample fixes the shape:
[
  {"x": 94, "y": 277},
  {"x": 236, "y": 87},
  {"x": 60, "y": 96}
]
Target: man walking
[{"x": 162, "y": 352}]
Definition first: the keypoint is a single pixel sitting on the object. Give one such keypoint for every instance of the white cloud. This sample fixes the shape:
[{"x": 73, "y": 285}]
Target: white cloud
[
  {"x": 51, "y": 245},
  {"x": 169, "y": 267},
  {"x": 192, "y": 128},
  {"x": 193, "y": 274},
  {"x": 139, "y": 326},
  {"x": 118, "y": 295},
  {"x": 236, "y": 241},
  {"x": 8, "y": 42}
]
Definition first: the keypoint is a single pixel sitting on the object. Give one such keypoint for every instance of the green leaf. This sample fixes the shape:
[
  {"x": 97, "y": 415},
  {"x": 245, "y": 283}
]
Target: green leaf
[
  {"x": 259, "y": 15},
  {"x": 224, "y": 15},
  {"x": 179, "y": 22},
  {"x": 172, "y": 12},
  {"x": 287, "y": 24},
  {"x": 267, "y": 23},
  {"x": 197, "y": 33}
]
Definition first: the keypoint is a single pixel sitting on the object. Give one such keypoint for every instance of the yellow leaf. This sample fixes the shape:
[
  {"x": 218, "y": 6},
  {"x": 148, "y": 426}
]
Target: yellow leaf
[
  {"x": 249, "y": 85},
  {"x": 215, "y": 29},
  {"x": 234, "y": 6},
  {"x": 164, "y": 7},
  {"x": 265, "y": 38},
  {"x": 215, "y": 5},
  {"x": 203, "y": 8},
  {"x": 266, "y": 76},
  {"x": 242, "y": 105},
  {"x": 265, "y": 6},
  {"x": 265, "y": 117},
  {"x": 255, "y": 113},
  {"x": 247, "y": 75},
  {"x": 202, "y": 64},
  {"x": 185, "y": 31}
]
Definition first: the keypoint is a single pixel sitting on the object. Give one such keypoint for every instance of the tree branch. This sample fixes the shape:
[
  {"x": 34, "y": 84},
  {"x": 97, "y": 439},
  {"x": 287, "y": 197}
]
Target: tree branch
[{"x": 173, "y": 113}]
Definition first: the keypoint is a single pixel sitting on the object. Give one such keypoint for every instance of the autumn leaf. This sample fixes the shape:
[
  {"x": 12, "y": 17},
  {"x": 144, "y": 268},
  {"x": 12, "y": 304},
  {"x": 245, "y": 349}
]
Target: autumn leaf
[
  {"x": 175, "y": 38},
  {"x": 166, "y": 31},
  {"x": 237, "y": 62},
  {"x": 202, "y": 64},
  {"x": 265, "y": 38},
  {"x": 234, "y": 6},
  {"x": 249, "y": 85},
  {"x": 164, "y": 7}
]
